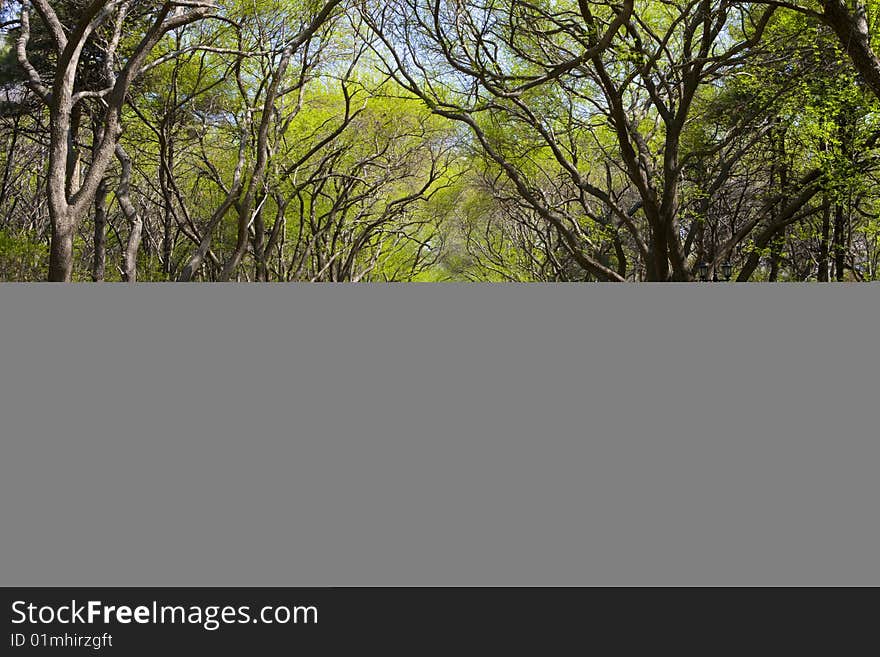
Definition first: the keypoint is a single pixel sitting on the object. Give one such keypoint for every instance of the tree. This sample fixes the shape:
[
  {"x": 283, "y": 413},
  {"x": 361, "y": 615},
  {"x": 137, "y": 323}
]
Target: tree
[
  {"x": 522, "y": 140},
  {"x": 69, "y": 192},
  {"x": 625, "y": 78}
]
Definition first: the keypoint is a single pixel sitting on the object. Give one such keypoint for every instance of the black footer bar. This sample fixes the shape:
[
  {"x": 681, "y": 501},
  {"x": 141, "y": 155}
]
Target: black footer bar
[{"x": 460, "y": 621}]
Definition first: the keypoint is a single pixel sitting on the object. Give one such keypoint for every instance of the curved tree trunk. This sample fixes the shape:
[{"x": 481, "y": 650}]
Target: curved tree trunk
[{"x": 129, "y": 258}]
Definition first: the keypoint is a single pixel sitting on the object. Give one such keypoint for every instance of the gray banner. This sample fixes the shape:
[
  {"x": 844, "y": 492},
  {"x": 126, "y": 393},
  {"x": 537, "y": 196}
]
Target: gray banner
[{"x": 439, "y": 435}]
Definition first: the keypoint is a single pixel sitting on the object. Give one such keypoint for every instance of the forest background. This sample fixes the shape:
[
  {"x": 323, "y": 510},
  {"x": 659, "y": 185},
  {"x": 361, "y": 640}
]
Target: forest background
[{"x": 439, "y": 140}]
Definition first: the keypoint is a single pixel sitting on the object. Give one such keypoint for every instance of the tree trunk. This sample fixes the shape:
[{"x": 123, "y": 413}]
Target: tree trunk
[
  {"x": 261, "y": 270},
  {"x": 61, "y": 250},
  {"x": 10, "y": 159},
  {"x": 167, "y": 156},
  {"x": 100, "y": 255},
  {"x": 823, "y": 241},
  {"x": 839, "y": 241},
  {"x": 74, "y": 162},
  {"x": 776, "y": 256},
  {"x": 658, "y": 262},
  {"x": 129, "y": 258}
]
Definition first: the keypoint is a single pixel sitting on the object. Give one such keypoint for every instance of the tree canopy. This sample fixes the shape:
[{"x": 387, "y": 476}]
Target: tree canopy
[{"x": 439, "y": 140}]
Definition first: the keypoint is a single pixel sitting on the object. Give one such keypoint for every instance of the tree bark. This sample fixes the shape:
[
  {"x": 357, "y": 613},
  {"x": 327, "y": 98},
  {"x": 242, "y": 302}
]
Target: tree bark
[
  {"x": 100, "y": 256},
  {"x": 129, "y": 258},
  {"x": 166, "y": 158},
  {"x": 822, "y": 274},
  {"x": 776, "y": 255},
  {"x": 839, "y": 241},
  {"x": 61, "y": 250}
]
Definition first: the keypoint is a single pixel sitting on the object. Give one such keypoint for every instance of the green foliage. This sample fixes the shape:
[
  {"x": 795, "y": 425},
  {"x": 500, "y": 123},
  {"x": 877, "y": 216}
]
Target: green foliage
[
  {"x": 22, "y": 258},
  {"x": 366, "y": 181}
]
